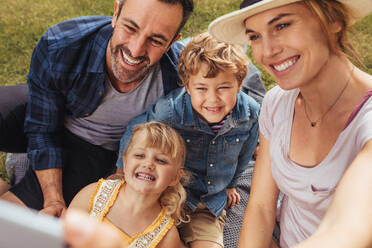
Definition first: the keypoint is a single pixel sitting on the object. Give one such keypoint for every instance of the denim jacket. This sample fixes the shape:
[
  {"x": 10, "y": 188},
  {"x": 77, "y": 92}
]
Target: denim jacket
[
  {"x": 215, "y": 161},
  {"x": 67, "y": 73}
]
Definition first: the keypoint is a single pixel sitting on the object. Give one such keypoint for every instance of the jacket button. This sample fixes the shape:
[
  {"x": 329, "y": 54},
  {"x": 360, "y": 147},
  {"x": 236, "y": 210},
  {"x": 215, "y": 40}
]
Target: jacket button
[
  {"x": 237, "y": 140},
  {"x": 100, "y": 93},
  {"x": 187, "y": 140},
  {"x": 213, "y": 142},
  {"x": 211, "y": 165},
  {"x": 209, "y": 182},
  {"x": 87, "y": 114}
]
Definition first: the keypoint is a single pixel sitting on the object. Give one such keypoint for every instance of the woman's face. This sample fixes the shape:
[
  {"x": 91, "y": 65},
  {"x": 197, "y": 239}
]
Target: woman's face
[{"x": 289, "y": 43}]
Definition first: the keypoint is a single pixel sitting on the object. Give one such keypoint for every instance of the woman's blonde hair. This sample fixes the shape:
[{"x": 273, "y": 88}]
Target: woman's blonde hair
[
  {"x": 167, "y": 140},
  {"x": 329, "y": 12},
  {"x": 218, "y": 56}
]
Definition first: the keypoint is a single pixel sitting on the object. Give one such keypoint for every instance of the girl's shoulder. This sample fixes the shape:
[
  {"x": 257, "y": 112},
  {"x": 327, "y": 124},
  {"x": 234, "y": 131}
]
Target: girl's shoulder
[
  {"x": 104, "y": 196},
  {"x": 82, "y": 198}
]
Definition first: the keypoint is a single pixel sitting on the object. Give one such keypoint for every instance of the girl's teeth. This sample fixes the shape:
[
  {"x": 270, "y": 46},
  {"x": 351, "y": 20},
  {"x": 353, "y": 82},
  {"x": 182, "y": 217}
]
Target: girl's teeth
[{"x": 146, "y": 177}]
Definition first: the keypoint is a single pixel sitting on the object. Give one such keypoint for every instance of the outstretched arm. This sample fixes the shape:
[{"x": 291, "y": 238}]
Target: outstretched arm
[
  {"x": 259, "y": 216},
  {"x": 81, "y": 231},
  {"x": 348, "y": 221}
]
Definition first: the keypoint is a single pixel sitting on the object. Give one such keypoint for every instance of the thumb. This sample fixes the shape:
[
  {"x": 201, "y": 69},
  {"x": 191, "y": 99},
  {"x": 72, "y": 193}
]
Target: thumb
[{"x": 82, "y": 231}]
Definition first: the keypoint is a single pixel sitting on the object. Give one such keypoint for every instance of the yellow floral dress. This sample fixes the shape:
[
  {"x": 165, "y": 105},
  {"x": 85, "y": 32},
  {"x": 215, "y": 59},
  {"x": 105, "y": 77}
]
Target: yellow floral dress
[{"x": 102, "y": 200}]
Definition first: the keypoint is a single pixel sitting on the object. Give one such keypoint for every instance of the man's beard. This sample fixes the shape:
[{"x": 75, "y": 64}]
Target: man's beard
[{"x": 121, "y": 73}]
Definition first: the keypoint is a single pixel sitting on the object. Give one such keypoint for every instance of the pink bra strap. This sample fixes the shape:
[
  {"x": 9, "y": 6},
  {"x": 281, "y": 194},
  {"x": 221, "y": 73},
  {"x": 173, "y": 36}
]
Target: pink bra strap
[{"x": 360, "y": 105}]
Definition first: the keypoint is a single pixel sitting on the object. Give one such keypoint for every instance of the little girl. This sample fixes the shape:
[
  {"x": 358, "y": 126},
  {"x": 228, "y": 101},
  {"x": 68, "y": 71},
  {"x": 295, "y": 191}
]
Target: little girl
[{"x": 145, "y": 204}]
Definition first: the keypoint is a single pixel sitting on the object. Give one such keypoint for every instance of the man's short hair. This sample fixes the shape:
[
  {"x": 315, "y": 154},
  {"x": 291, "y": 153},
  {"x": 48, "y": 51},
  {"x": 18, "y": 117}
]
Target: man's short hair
[
  {"x": 216, "y": 55},
  {"x": 187, "y": 9}
]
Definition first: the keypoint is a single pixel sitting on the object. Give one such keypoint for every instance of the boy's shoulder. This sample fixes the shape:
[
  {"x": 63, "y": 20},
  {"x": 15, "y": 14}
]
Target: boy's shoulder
[
  {"x": 169, "y": 107},
  {"x": 173, "y": 100},
  {"x": 246, "y": 105}
]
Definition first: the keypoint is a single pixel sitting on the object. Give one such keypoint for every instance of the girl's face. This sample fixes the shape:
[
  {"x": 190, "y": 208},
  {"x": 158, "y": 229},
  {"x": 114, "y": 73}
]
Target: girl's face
[
  {"x": 289, "y": 43},
  {"x": 149, "y": 170}
]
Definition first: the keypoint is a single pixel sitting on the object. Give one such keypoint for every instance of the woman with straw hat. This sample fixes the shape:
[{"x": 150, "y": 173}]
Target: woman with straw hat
[{"x": 315, "y": 126}]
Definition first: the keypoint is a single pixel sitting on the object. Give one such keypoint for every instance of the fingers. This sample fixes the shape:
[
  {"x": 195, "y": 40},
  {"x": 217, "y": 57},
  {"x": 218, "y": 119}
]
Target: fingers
[
  {"x": 229, "y": 200},
  {"x": 233, "y": 200},
  {"x": 82, "y": 231},
  {"x": 54, "y": 209},
  {"x": 237, "y": 198},
  {"x": 233, "y": 197}
]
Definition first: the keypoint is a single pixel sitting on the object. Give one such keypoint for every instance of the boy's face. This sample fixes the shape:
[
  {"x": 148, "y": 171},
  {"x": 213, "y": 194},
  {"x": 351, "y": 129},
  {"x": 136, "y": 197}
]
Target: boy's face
[{"x": 213, "y": 98}]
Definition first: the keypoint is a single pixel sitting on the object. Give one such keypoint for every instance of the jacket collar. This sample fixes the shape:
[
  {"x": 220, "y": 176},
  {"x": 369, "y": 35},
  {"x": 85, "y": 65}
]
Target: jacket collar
[{"x": 240, "y": 113}]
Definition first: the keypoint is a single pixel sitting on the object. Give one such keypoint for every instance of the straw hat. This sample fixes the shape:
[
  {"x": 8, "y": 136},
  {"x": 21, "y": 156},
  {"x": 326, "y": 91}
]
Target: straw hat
[{"x": 230, "y": 27}]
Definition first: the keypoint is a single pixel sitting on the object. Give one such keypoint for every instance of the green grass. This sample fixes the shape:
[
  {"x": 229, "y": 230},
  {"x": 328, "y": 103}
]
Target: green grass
[{"x": 22, "y": 23}]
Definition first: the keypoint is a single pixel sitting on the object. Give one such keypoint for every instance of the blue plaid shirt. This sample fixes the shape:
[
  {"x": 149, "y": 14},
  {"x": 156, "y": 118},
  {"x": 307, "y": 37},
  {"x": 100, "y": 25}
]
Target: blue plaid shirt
[{"x": 67, "y": 73}]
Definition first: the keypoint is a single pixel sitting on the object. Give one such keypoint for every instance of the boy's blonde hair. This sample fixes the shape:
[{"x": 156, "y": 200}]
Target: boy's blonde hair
[
  {"x": 167, "y": 140},
  {"x": 218, "y": 56}
]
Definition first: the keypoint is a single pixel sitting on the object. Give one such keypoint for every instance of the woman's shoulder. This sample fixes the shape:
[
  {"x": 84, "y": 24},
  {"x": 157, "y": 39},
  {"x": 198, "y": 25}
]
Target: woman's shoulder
[{"x": 277, "y": 93}]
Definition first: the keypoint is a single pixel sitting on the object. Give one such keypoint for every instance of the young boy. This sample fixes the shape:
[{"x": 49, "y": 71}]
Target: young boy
[{"x": 220, "y": 129}]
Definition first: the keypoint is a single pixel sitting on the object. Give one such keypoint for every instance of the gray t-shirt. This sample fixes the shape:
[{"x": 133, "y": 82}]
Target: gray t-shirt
[
  {"x": 106, "y": 125},
  {"x": 307, "y": 191}
]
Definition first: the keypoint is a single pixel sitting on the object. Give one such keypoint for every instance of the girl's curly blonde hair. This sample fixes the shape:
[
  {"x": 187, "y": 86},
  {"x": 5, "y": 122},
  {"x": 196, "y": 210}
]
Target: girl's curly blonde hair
[{"x": 166, "y": 139}]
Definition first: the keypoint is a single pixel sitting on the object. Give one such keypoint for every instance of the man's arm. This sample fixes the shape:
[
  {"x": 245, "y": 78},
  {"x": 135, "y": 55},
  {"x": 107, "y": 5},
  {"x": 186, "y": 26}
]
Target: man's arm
[
  {"x": 259, "y": 216},
  {"x": 51, "y": 184},
  {"x": 43, "y": 127},
  {"x": 245, "y": 154}
]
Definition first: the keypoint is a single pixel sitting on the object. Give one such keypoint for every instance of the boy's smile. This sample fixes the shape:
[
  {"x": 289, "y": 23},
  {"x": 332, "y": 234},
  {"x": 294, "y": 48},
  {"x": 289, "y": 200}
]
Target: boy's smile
[{"x": 213, "y": 98}]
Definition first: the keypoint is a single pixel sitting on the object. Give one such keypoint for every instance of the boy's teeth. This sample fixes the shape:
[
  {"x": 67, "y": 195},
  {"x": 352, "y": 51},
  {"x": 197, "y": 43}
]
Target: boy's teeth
[{"x": 212, "y": 109}]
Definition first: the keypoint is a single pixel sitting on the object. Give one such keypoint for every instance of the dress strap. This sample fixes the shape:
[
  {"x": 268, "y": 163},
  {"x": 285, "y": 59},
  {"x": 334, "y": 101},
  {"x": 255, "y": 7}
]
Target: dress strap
[
  {"x": 104, "y": 197},
  {"x": 357, "y": 109},
  {"x": 156, "y": 233}
]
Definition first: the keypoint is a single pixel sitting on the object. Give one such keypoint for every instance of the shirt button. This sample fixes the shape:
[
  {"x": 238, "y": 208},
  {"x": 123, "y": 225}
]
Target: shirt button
[
  {"x": 100, "y": 93},
  {"x": 209, "y": 182},
  {"x": 187, "y": 140},
  {"x": 237, "y": 140},
  {"x": 211, "y": 165},
  {"x": 213, "y": 142}
]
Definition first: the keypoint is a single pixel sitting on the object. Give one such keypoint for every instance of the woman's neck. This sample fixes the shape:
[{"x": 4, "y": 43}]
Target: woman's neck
[{"x": 331, "y": 84}]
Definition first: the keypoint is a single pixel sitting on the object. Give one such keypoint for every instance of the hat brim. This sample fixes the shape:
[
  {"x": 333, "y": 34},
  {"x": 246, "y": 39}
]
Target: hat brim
[{"x": 230, "y": 27}]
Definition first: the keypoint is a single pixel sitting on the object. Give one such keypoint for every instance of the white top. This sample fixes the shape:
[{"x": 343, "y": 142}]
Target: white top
[{"x": 307, "y": 191}]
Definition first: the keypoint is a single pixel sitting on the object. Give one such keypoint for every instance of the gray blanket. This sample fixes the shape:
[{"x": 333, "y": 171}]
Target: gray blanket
[{"x": 234, "y": 216}]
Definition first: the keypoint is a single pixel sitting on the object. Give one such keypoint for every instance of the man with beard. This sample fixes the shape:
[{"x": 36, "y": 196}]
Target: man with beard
[{"x": 88, "y": 78}]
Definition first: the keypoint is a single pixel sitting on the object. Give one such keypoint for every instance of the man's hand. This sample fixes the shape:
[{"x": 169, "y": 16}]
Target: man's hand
[
  {"x": 54, "y": 208},
  {"x": 51, "y": 184},
  {"x": 233, "y": 197}
]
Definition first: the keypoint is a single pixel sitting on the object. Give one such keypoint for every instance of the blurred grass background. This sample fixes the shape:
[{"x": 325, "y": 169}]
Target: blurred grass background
[{"x": 22, "y": 23}]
